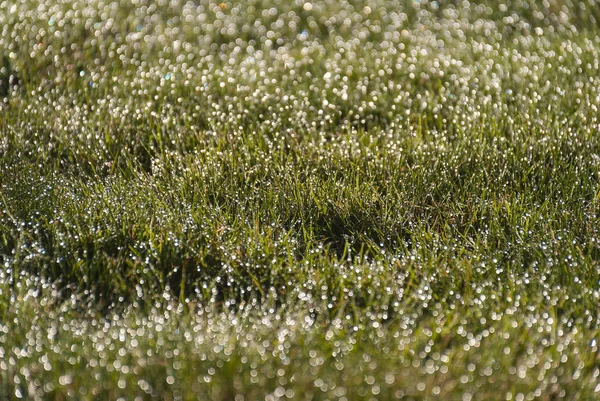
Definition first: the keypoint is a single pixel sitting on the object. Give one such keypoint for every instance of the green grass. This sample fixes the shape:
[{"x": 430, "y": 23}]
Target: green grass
[{"x": 276, "y": 200}]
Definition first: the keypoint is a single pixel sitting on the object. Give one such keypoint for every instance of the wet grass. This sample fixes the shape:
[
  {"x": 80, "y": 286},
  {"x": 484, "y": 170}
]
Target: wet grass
[{"x": 329, "y": 200}]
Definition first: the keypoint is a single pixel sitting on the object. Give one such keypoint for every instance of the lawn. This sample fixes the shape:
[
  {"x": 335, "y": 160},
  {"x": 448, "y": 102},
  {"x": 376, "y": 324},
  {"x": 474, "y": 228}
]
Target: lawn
[{"x": 273, "y": 199}]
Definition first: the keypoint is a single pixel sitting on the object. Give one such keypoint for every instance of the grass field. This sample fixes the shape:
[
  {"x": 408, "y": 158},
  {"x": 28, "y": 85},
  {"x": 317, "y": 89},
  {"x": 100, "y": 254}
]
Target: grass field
[{"x": 272, "y": 199}]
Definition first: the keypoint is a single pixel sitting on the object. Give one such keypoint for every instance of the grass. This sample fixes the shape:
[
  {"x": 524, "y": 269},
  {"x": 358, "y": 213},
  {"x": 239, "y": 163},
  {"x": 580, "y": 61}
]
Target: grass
[{"x": 328, "y": 200}]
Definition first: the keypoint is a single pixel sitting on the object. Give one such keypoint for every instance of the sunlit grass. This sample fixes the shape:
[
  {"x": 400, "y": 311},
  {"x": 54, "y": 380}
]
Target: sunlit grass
[{"x": 324, "y": 200}]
